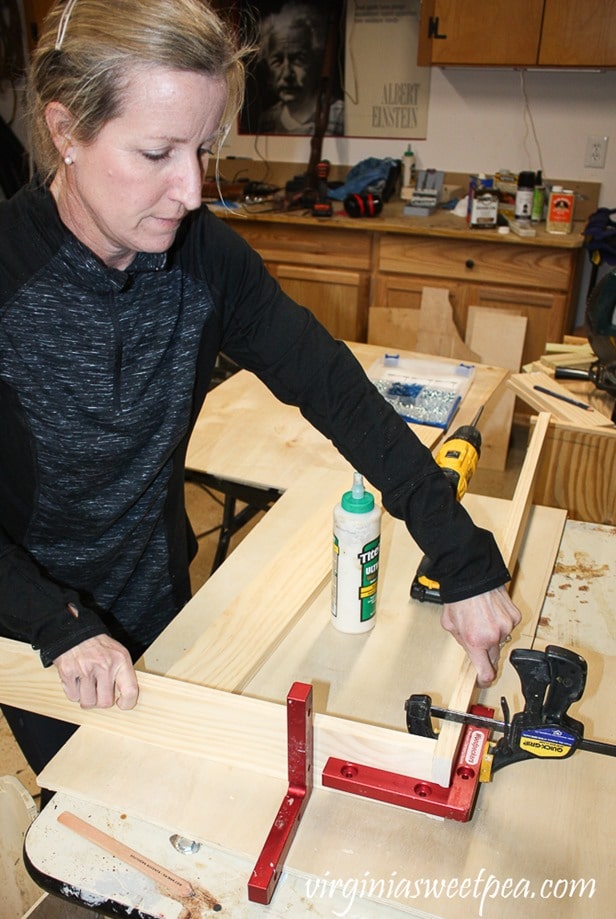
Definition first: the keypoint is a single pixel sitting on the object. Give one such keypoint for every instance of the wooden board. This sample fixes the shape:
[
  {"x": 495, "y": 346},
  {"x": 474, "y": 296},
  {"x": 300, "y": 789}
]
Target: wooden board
[
  {"x": 278, "y": 444},
  {"x": 369, "y": 676},
  {"x": 217, "y": 796},
  {"x": 348, "y": 838},
  {"x": 221, "y": 727},
  {"x": 234, "y": 645},
  {"x": 437, "y": 332},
  {"x": 509, "y": 544},
  {"x": 523, "y": 384},
  {"x": 498, "y": 338}
]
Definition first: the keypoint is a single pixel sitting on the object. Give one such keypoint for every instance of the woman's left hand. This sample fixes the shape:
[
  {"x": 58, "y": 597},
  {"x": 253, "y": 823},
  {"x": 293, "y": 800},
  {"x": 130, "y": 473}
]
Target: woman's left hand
[{"x": 482, "y": 624}]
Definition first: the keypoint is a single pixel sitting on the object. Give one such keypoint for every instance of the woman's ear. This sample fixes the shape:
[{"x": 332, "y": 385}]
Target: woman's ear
[{"x": 60, "y": 122}]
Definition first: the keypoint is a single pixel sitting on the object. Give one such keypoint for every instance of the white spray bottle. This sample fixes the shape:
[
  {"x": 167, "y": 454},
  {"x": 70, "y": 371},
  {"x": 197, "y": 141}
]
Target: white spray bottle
[{"x": 357, "y": 537}]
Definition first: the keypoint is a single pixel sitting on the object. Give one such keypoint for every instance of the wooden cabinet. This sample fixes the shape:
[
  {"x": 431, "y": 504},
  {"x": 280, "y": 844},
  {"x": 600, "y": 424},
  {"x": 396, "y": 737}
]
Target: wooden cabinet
[
  {"x": 527, "y": 33},
  {"x": 327, "y": 272},
  {"x": 578, "y": 34},
  {"x": 364, "y": 279},
  {"x": 532, "y": 281}
]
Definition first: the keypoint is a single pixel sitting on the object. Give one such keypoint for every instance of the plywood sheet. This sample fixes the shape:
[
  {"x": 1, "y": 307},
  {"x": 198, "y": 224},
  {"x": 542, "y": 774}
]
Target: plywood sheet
[
  {"x": 437, "y": 332},
  {"x": 497, "y": 337}
]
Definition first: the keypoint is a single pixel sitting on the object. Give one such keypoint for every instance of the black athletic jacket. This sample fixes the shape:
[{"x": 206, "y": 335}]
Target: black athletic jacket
[{"x": 102, "y": 375}]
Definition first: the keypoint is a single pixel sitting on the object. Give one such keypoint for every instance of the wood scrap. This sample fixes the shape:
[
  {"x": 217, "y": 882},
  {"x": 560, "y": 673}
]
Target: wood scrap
[
  {"x": 390, "y": 326},
  {"x": 582, "y": 358},
  {"x": 523, "y": 384},
  {"x": 437, "y": 332},
  {"x": 497, "y": 336},
  {"x": 570, "y": 344}
]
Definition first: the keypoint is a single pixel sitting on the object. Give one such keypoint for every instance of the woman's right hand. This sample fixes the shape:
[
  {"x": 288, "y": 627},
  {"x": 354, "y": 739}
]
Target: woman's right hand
[{"x": 98, "y": 673}]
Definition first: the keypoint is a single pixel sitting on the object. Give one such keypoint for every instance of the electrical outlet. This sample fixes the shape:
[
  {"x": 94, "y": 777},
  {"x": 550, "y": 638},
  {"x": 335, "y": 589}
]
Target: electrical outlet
[{"x": 596, "y": 149}]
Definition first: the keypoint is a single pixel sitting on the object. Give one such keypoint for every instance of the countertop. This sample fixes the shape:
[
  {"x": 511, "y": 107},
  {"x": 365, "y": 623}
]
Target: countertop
[{"x": 442, "y": 223}]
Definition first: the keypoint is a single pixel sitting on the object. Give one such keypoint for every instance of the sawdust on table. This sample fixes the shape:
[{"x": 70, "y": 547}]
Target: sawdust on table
[
  {"x": 194, "y": 905},
  {"x": 584, "y": 569}
]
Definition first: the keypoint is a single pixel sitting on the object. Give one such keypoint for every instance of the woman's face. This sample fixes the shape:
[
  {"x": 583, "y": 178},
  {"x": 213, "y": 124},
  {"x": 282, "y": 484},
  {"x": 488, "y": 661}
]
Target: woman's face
[{"x": 129, "y": 189}]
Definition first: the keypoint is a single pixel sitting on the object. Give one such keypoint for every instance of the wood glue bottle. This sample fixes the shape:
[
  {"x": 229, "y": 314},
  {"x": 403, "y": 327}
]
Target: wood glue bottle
[{"x": 357, "y": 537}]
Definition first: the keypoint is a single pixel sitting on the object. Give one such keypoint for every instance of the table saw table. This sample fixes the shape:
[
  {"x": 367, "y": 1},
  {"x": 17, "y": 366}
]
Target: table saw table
[
  {"x": 539, "y": 845},
  {"x": 260, "y": 623}
]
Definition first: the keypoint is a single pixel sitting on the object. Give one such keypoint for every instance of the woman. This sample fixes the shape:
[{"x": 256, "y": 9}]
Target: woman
[{"x": 118, "y": 289}]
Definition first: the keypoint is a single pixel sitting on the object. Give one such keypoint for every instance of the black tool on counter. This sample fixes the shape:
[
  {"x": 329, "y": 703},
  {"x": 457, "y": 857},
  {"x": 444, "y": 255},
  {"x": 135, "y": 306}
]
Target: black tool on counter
[
  {"x": 551, "y": 681},
  {"x": 322, "y": 207},
  {"x": 458, "y": 458}
]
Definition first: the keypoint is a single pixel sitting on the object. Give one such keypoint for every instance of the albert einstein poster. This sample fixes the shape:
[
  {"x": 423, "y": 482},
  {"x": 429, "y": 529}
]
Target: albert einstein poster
[
  {"x": 295, "y": 78},
  {"x": 386, "y": 92}
]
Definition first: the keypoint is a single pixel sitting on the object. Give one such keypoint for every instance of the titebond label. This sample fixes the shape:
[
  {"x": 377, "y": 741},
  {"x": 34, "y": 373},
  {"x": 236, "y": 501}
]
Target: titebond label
[{"x": 369, "y": 562}]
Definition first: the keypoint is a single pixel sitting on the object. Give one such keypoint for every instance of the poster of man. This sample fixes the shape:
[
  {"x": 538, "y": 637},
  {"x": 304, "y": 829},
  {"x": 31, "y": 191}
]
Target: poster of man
[{"x": 287, "y": 80}]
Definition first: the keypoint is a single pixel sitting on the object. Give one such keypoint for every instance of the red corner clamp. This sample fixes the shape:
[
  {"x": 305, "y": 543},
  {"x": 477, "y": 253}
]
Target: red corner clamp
[
  {"x": 268, "y": 868},
  {"x": 453, "y": 803}
]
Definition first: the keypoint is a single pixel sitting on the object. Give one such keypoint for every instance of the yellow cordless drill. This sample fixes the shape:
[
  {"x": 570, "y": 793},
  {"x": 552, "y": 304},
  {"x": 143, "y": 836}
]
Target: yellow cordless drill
[{"x": 458, "y": 457}]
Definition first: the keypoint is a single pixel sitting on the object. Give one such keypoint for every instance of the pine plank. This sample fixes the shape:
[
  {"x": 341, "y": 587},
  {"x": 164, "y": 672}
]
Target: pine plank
[
  {"x": 231, "y": 649},
  {"x": 230, "y": 787},
  {"x": 523, "y": 385},
  {"x": 219, "y": 726},
  {"x": 509, "y": 544},
  {"x": 498, "y": 338}
]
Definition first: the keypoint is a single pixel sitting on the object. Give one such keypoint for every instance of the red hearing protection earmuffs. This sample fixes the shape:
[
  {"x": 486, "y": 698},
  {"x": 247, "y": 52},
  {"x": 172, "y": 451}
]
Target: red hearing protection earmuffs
[{"x": 363, "y": 205}]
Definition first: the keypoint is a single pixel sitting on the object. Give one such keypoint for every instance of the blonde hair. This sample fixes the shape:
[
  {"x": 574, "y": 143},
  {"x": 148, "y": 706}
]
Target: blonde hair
[{"x": 87, "y": 47}]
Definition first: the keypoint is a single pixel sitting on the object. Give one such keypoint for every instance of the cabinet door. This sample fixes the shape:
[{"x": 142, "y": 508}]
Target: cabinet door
[
  {"x": 339, "y": 299},
  {"x": 579, "y": 34},
  {"x": 495, "y": 32}
]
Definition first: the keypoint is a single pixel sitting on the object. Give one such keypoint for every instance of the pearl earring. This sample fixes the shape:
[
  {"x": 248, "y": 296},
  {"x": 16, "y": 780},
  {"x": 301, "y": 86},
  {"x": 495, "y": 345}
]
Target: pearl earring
[{"x": 68, "y": 160}]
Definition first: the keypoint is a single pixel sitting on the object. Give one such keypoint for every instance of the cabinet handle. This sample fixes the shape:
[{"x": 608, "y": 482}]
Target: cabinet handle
[
  {"x": 469, "y": 263},
  {"x": 433, "y": 28}
]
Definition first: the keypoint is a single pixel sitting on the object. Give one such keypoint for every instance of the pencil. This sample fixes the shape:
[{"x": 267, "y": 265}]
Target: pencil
[{"x": 557, "y": 395}]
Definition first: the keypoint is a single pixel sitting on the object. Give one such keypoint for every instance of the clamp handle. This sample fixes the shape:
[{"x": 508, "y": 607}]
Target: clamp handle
[
  {"x": 551, "y": 680},
  {"x": 535, "y": 678},
  {"x": 418, "y": 718},
  {"x": 568, "y": 679}
]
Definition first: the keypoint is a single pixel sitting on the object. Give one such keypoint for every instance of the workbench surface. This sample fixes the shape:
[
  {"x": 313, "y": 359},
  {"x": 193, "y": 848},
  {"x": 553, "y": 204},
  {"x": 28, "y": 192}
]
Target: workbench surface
[
  {"x": 277, "y": 443},
  {"x": 540, "y": 844}
]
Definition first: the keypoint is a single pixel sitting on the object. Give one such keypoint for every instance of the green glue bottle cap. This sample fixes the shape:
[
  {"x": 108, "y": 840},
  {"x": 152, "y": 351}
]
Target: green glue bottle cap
[{"x": 358, "y": 500}]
